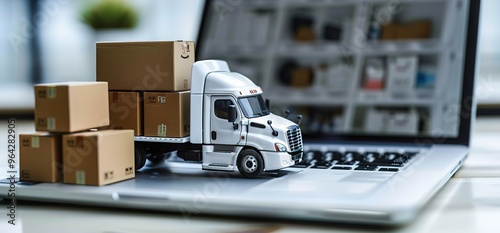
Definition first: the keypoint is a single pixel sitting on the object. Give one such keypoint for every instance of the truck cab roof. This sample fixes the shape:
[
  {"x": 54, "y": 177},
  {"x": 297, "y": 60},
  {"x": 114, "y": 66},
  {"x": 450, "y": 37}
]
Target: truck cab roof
[
  {"x": 230, "y": 83},
  {"x": 214, "y": 77}
]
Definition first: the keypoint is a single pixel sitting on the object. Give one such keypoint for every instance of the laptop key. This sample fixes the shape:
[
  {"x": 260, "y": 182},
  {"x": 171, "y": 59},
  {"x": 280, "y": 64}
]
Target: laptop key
[
  {"x": 354, "y": 155},
  {"x": 307, "y": 160},
  {"x": 369, "y": 158},
  {"x": 366, "y": 168},
  {"x": 348, "y": 158},
  {"x": 409, "y": 155},
  {"x": 328, "y": 157},
  {"x": 390, "y": 156},
  {"x": 341, "y": 168},
  {"x": 321, "y": 166},
  {"x": 322, "y": 159},
  {"x": 383, "y": 169},
  {"x": 345, "y": 163},
  {"x": 333, "y": 155},
  {"x": 388, "y": 164}
]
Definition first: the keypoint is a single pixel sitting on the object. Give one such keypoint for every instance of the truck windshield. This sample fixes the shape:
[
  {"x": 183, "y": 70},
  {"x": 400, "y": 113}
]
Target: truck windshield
[{"x": 253, "y": 106}]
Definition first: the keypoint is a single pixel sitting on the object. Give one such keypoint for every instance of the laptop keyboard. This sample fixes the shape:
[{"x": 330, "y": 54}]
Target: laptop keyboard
[{"x": 354, "y": 160}]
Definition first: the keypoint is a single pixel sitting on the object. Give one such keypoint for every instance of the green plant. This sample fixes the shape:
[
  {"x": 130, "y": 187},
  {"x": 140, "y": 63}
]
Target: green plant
[{"x": 107, "y": 14}]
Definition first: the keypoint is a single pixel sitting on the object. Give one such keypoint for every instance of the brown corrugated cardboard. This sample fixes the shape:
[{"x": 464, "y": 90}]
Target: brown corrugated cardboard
[
  {"x": 305, "y": 34},
  {"x": 145, "y": 66},
  {"x": 71, "y": 107},
  {"x": 420, "y": 29},
  {"x": 125, "y": 111},
  {"x": 390, "y": 31},
  {"x": 98, "y": 158},
  {"x": 40, "y": 157},
  {"x": 166, "y": 114},
  {"x": 301, "y": 77}
]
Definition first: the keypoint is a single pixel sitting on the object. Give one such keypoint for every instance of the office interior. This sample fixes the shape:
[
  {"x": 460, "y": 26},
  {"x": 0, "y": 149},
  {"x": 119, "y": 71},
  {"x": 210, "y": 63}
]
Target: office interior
[
  {"x": 50, "y": 41},
  {"x": 47, "y": 41}
]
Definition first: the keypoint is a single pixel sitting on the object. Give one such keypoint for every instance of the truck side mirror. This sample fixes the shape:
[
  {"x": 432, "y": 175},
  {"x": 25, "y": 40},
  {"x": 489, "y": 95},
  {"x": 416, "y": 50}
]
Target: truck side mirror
[
  {"x": 268, "y": 104},
  {"x": 231, "y": 111}
]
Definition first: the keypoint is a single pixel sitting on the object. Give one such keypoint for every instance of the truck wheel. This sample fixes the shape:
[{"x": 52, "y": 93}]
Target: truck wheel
[
  {"x": 140, "y": 157},
  {"x": 156, "y": 157},
  {"x": 250, "y": 163}
]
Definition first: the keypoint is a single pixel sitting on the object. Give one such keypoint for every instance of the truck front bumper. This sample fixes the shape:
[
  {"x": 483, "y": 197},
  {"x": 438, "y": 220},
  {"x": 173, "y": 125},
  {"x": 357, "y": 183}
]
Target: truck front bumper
[{"x": 278, "y": 160}]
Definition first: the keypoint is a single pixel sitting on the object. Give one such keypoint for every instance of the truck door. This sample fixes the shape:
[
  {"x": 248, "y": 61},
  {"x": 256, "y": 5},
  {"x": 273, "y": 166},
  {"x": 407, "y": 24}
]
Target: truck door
[{"x": 224, "y": 132}]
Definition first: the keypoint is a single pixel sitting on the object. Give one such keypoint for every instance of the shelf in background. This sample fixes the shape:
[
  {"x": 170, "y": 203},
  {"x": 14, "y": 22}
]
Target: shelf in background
[
  {"x": 315, "y": 49},
  {"x": 322, "y": 49},
  {"x": 256, "y": 4},
  {"x": 236, "y": 51},
  {"x": 429, "y": 46},
  {"x": 320, "y": 3},
  {"x": 384, "y": 98},
  {"x": 305, "y": 96}
]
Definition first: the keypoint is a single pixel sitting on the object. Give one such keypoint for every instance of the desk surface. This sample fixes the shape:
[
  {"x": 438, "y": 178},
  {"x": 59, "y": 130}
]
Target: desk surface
[{"x": 470, "y": 202}]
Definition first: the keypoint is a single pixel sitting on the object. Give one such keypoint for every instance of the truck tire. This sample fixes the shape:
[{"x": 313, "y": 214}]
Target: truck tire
[
  {"x": 250, "y": 163},
  {"x": 140, "y": 157},
  {"x": 156, "y": 158}
]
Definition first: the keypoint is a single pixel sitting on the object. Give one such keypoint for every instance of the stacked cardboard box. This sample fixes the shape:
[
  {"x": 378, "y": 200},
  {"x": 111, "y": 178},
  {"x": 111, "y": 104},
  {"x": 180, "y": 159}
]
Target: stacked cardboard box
[
  {"x": 71, "y": 107},
  {"x": 125, "y": 111},
  {"x": 41, "y": 157},
  {"x": 68, "y": 151},
  {"x": 66, "y": 111},
  {"x": 98, "y": 158},
  {"x": 148, "y": 85},
  {"x": 167, "y": 114}
]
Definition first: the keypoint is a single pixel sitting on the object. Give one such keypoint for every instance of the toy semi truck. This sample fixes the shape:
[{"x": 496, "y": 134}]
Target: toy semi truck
[{"x": 231, "y": 127}]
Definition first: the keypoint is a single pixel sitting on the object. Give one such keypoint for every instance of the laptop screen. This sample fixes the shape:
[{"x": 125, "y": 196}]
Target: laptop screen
[{"x": 353, "y": 69}]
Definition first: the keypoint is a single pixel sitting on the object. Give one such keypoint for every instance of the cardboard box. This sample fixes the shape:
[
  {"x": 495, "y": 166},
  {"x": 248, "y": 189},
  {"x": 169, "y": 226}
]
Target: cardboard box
[
  {"x": 145, "y": 66},
  {"x": 420, "y": 29},
  {"x": 403, "y": 122},
  {"x": 390, "y": 31},
  {"x": 71, "y": 107},
  {"x": 375, "y": 120},
  {"x": 166, "y": 114},
  {"x": 40, "y": 157},
  {"x": 302, "y": 77},
  {"x": 125, "y": 111},
  {"x": 99, "y": 157},
  {"x": 374, "y": 74},
  {"x": 401, "y": 73},
  {"x": 391, "y": 121}
]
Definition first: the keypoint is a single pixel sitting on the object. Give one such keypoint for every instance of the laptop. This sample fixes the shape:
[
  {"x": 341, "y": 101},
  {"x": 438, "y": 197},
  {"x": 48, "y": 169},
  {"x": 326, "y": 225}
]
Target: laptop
[{"x": 385, "y": 94}]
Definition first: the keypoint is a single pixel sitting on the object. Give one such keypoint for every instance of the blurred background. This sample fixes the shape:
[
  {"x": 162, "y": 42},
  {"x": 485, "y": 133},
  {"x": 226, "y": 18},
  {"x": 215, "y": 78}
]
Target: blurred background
[{"x": 54, "y": 40}]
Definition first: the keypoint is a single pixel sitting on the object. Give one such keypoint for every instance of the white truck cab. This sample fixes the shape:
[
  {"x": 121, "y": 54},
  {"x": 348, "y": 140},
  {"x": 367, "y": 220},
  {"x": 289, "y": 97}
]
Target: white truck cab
[{"x": 231, "y": 126}]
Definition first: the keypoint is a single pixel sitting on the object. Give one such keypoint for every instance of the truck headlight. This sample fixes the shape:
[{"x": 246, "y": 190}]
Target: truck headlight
[{"x": 279, "y": 147}]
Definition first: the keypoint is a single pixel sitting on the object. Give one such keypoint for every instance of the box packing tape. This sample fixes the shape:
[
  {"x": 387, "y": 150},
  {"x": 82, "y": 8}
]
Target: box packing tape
[
  {"x": 51, "y": 123},
  {"x": 108, "y": 175},
  {"x": 80, "y": 177},
  {"x": 35, "y": 142},
  {"x": 185, "y": 46},
  {"x": 162, "y": 130},
  {"x": 51, "y": 92},
  {"x": 162, "y": 99}
]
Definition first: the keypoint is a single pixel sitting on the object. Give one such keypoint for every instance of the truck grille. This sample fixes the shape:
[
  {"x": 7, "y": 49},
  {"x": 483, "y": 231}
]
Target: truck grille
[{"x": 294, "y": 138}]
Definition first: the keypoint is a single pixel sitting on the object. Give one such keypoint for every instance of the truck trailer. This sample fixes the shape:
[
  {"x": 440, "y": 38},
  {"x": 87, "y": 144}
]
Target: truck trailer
[{"x": 231, "y": 127}]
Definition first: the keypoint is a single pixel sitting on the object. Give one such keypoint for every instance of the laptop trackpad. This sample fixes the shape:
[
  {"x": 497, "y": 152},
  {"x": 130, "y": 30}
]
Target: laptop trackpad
[{"x": 323, "y": 183}]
